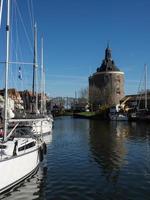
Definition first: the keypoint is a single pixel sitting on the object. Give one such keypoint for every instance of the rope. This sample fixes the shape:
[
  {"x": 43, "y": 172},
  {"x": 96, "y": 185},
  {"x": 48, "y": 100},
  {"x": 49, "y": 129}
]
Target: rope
[
  {"x": 31, "y": 14},
  {"x": 17, "y": 18},
  {"x": 26, "y": 34}
]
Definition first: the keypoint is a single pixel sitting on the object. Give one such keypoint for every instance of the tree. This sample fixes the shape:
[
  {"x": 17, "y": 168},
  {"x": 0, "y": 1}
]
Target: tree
[
  {"x": 94, "y": 96},
  {"x": 83, "y": 93}
]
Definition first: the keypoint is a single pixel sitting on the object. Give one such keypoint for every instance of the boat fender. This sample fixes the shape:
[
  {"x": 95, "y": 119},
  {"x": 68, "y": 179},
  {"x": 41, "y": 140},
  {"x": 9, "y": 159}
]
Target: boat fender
[
  {"x": 40, "y": 154},
  {"x": 44, "y": 148},
  {"x": 15, "y": 148}
]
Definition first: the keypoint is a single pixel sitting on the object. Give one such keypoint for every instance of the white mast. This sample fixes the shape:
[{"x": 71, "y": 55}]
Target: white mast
[
  {"x": 36, "y": 72},
  {"x": 145, "y": 86},
  {"x": 1, "y": 9},
  {"x": 6, "y": 67},
  {"x": 44, "y": 95},
  {"x": 42, "y": 76}
]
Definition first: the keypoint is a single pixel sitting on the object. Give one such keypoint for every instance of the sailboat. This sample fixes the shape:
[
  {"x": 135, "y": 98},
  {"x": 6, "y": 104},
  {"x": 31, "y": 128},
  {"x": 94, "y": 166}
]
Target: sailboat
[
  {"x": 40, "y": 122},
  {"x": 20, "y": 151},
  {"x": 142, "y": 112},
  {"x": 44, "y": 126}
]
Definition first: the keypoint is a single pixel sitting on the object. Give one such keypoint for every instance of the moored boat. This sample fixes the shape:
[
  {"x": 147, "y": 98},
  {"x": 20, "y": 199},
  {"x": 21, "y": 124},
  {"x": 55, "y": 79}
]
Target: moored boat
[
  {"x": 20, "y": 150},
  {"x": 19, "y": 158},
  {"x": 118, "y": 117}
]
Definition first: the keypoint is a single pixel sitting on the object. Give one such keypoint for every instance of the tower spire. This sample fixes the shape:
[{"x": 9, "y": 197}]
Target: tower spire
[
  {"x": 108, "y": 44},
  {"x": 108, "y": 52},
  {"x": 108, "y": 64}
]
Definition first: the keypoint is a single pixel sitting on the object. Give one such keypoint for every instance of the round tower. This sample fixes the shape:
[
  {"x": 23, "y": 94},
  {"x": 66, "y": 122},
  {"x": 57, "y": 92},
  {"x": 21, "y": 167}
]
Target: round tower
[{"x": 106, "y": 85}]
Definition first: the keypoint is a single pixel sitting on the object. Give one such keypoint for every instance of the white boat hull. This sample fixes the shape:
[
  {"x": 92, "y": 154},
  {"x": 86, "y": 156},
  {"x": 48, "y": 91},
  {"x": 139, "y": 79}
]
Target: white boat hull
[
  {"x": 15, "y": 169},
  {"x": 118, "y": 117}
]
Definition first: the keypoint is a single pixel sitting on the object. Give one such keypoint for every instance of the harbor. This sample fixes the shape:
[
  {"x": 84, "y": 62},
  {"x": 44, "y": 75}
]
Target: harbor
[
  {"x": 89, "y": 159},
  {"x": 74, "y": 104}
]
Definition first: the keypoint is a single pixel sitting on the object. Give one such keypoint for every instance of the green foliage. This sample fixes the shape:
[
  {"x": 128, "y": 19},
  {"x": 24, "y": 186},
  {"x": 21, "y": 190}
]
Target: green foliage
[{"x": 87, "y": 114}]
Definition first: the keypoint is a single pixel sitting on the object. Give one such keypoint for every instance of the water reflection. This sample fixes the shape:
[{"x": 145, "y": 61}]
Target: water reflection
[
  {"x": 108, "y": 147},
  {"x": 92, "y": 160},
  {"x": 139, "y": 130},
  {"x": 114, "y": 144}
]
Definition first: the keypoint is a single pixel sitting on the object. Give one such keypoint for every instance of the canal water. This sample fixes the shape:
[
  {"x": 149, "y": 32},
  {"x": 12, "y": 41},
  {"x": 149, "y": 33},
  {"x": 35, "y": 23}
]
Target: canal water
[{"x": 92, "y": 160}]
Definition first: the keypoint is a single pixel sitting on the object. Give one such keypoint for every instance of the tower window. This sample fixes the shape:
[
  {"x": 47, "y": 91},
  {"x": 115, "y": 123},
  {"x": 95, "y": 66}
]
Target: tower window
[{"x": 118, "y": 90}]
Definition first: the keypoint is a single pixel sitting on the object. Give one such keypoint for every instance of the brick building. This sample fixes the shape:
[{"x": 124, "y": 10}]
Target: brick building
[{"x": 106, "y": 85}]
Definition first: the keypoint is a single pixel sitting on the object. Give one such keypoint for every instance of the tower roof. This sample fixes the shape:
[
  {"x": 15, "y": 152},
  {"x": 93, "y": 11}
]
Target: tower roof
[{"x": 108, "y": 64}]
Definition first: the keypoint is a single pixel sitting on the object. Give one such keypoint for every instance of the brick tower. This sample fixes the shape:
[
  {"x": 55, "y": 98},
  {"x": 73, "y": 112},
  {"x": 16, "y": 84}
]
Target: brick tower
[{"x": 106, "y": 86}]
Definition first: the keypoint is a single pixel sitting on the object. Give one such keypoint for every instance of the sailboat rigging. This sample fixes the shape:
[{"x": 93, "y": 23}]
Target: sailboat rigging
[
  {"x": 44, "y": 126},
  {"x": 141, "y": 109},
  {"x": 20, "y": 150},
  {"x": 39, "y": 121}
]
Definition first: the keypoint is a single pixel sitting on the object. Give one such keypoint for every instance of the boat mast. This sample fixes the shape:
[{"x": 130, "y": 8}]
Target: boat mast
[
  {"x": 34, "y": 83},
  {"x": 1, "y": 8},
  {"x": 44, "y": 94},
  {"x": 6, "y": 68},
  {"x": 145, "y": 87},
  {"x": 42, "y": 77},
  {"x": 43, "y": 97}
]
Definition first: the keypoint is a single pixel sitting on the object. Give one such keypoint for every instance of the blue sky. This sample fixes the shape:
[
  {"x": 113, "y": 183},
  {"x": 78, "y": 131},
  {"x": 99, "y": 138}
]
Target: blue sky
[{"x": 75, "y": 37}]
